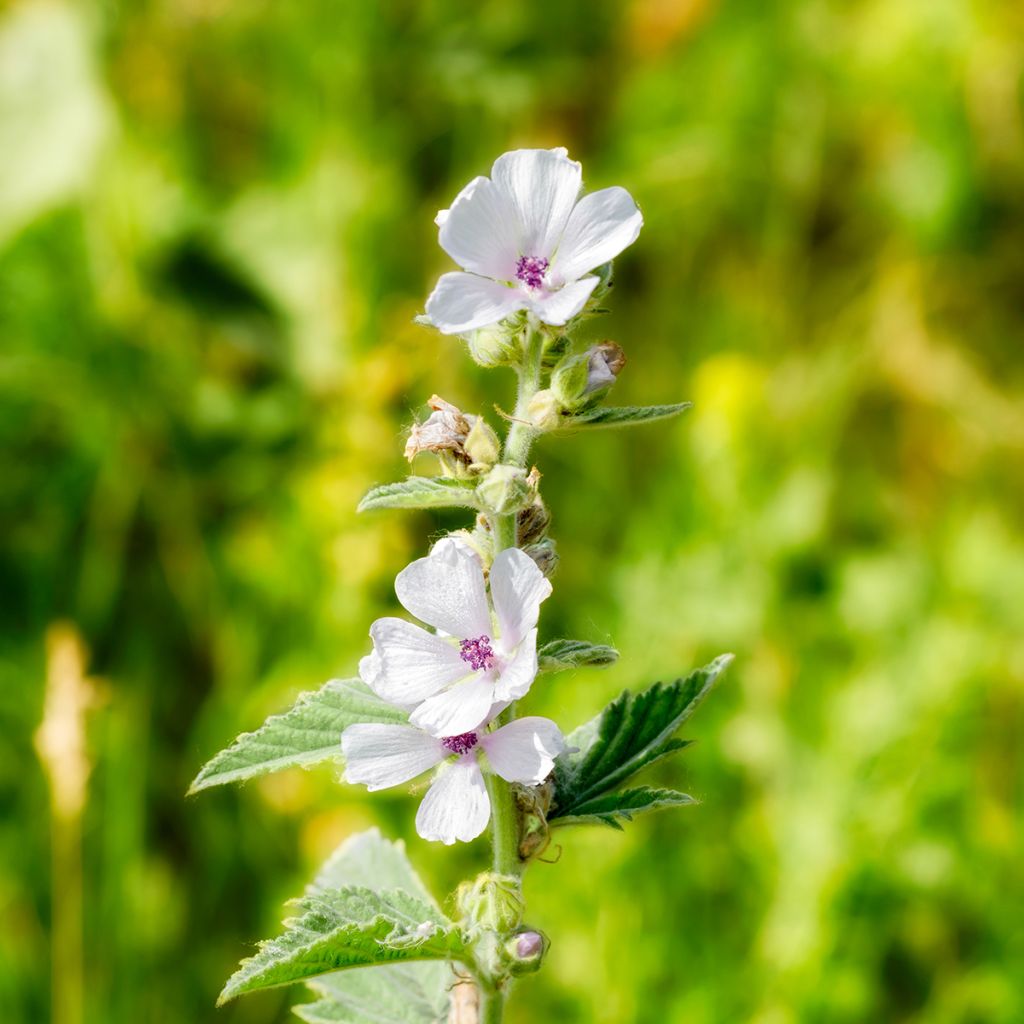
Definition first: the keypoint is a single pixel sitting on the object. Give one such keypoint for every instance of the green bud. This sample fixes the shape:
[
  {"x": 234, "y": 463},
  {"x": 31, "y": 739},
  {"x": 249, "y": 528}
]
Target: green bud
[
  {"x": 525, "y": 951},
  {"x": 569, "y": 381},
  {"x": 545, "y": 410},
  {"x": 495, "y": 346},
  {"x": 505, "y": 489},
  {"x": 492, "y": 902},
  {"x": 482, "y": 445},
  {"x": 580, "y": 380},
  {"x": 554, "y": 349}
]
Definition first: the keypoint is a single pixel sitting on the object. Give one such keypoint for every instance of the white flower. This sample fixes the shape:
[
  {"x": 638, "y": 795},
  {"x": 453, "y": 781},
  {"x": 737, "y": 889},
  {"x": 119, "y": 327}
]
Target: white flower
[
  {"x": 452, "y": 680},
  {"x": 456, "y": 805},
  {"x": 527, "y": 243}
]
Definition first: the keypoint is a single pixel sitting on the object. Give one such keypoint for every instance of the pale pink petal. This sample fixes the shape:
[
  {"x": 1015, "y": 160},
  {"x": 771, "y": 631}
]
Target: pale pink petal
[
  {"x": 524, "y": 750},
  {"x": 446, "y": 590},
  {"x": 456, "y": 806},
  {"x": 542, "y": 185},
  {"x": 458, "y": 710},
  {"x": 518, "y": 675},
  {"x": 600, "y": 227},
  {"x": 464, "y": 302},
  {"x": 558, "y": 308},
  {"x": 413, "y": 664},
  {"x": 379, "y": 756},
  {"x": 517, "y": 589},
  {"x": 479, "y": 231}
]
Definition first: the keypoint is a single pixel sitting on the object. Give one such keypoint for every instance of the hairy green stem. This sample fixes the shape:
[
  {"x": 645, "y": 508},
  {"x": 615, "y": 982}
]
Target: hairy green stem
[{"x": 492, "y": 1006}]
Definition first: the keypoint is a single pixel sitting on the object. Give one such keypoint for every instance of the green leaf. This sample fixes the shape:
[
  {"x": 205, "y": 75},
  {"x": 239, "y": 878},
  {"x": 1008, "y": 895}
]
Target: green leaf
[
  {"x": 421, "y": 492},
  {"x": 631, "y": 733},
  {"x": 625, "y": 416},
  {"x": 308, "y": 734},
  {"x": 349, "y": 927},
  {"x": 625, "y": 803},
  {"x": 562, "y": 654},
  {"x": 415, "y": 993}
]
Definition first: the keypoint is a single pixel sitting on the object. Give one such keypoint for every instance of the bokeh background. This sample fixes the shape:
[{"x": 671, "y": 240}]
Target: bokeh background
[{"x": 215, "y": 230}]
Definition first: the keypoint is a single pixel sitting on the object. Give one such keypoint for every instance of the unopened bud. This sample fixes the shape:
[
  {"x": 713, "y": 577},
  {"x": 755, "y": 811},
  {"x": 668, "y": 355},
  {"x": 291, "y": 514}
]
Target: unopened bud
[
  {"x": 493, "y": 902},
  {"x": 494, "y": 346},
  {"x": 545, "y": 410},
  {"x": 544, "y": 553},
  {"x": 579, "y": 380},
  {"x": 505, "y": 489},
  {"x": 482, "y": 445},
  {"x": 605, "y": 363},
  {"x": 525, "y": 952}
]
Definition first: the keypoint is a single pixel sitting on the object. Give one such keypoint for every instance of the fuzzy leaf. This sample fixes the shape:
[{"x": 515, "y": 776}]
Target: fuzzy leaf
[
  {"x": 415, "y": 993},
  {"x": 625, "y": 416},
  {"x": 307, "y": 734},
  {"x": 420, "y": 492},
  {"x": 625, "y": 803},
  {"x": 631, "y": 733},
  {"x": 562, "y": 654},
  {"x": 349, "y": 927}
]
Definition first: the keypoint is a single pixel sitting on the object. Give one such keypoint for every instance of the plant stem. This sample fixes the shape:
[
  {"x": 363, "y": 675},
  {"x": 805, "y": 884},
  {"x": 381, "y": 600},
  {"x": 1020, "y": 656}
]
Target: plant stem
[
  {"x": 504, "y": 825},
  {"x": 492, "y": 1006}
]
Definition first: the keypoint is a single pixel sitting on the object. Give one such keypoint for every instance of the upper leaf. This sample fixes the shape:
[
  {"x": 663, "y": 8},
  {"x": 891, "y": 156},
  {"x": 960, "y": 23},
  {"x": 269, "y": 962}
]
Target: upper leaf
[
  {"x": 563, "y": 654},
  {"x": 631, "y": 733},
  {"x": 415, "y": 993},
  {"x": 421, "y": 492},
  {"x": 610, "y": 807},
  {"x": 307, "y": 734},
  {"x": 349, "y": 927},
  {"x": 625, "y": 416}
]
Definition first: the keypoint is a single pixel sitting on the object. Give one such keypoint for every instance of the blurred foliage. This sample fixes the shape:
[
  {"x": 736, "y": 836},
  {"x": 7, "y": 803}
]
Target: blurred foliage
[{"x": 215, "y": 229}]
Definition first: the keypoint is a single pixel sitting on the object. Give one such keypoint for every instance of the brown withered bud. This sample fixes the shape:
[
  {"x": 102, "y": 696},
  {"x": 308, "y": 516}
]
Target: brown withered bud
[
  {"x": 604, "y": 363},
  {"x": 545, "y": 554},
  {"x": 462, "y": 442},
  {"x": 533, "y": 522}
]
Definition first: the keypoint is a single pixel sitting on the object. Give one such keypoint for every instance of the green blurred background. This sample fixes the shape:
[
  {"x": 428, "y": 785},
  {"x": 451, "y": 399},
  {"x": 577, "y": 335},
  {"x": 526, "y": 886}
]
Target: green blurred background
[{"x": 215, "y": 230}]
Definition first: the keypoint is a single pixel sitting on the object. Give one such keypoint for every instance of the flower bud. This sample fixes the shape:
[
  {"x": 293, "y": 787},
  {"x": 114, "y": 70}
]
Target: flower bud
[
  {"x": 482, "y": 445},
  {"x": 569, "y": 380},
  {"x": 494, "y": 346},
  {"x": 505, "y": 489},
  {"x": 544, "y": 554},
  {"x": 533, "y": 521},
  {"x": 545, "y": 410},
  {"x": 525, "y": 952},
  {"x": 493, "y": 902},
  {"x": 579, "y": 380},
  {"x": 554, "y": 350}
]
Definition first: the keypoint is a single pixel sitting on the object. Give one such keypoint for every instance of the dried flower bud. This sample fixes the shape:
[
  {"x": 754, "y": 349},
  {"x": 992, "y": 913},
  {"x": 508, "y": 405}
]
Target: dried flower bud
[
  {"x": 545, "y": 554},
  {"x": 545, "y": 410},
  {"x": 533, "y": 522},
  {"x": 466, "y": 445},
  {"x": 505, "y": 489},
  {"x": 494, "y": 346}
]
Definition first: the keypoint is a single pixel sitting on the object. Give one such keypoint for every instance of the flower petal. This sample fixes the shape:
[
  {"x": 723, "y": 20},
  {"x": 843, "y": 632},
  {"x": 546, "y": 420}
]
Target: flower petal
[
  {"x": 456, "y": 806},
  {"x": 479, "y": 231},
  {"x": 458, "y": 710},
  {"x": 524, "y": 750},
  {"x": 517, "y": 589},
  {"x": 446, "y": 590},
  {"x": 601, "y": 225},
  {"x": 560, "y": 307},
  {"x": 413, "y": 664},
  {"x": 542, "y": 185},
  {"x": 518, "y": 675},
  {"x": 380, "y": 756},
  {"x": 464, "y": 302}
]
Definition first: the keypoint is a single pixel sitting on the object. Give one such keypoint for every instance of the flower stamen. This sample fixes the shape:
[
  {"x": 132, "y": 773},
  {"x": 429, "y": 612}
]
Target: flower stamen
[
  {"x": 477, "y": 652},
  {"x": 531, "y": 270},
  {"x": 461, "y": 744}
]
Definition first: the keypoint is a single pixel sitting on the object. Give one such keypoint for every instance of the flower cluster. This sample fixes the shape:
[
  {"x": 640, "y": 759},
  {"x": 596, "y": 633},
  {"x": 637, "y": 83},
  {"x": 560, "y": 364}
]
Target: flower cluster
[{"x": 454, "y": 680}]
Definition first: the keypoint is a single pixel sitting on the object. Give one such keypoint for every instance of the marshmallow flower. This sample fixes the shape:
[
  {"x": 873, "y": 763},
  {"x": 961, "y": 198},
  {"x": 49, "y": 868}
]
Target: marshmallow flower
[
  {"x": 477, "y": 662},
  {"x": 526, "y": 243},
  {"x": 456, "y": 806}
]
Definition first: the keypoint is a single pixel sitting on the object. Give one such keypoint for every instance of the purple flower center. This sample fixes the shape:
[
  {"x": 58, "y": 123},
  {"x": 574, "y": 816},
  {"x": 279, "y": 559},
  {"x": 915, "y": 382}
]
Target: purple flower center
[
  {"x": 531, "y": 270},
  {"x": 477, "y": 653},
  {"x": 460, "y": 744}
]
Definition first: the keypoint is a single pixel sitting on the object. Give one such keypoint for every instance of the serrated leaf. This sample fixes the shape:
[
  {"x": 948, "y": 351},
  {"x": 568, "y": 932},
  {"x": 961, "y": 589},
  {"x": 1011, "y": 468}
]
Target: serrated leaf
[
  {"x": 625, "y": 416},
  {"x": 414, "y": 993},
  {"x": 420, "y": 492},
  {"x": 563, "y": 654},
  {"x": 624, "y": 804},
  {"x": 630, "y": 734},
  {"x": 307, "y": 734},
  {"x": 349, "y": 927}
]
